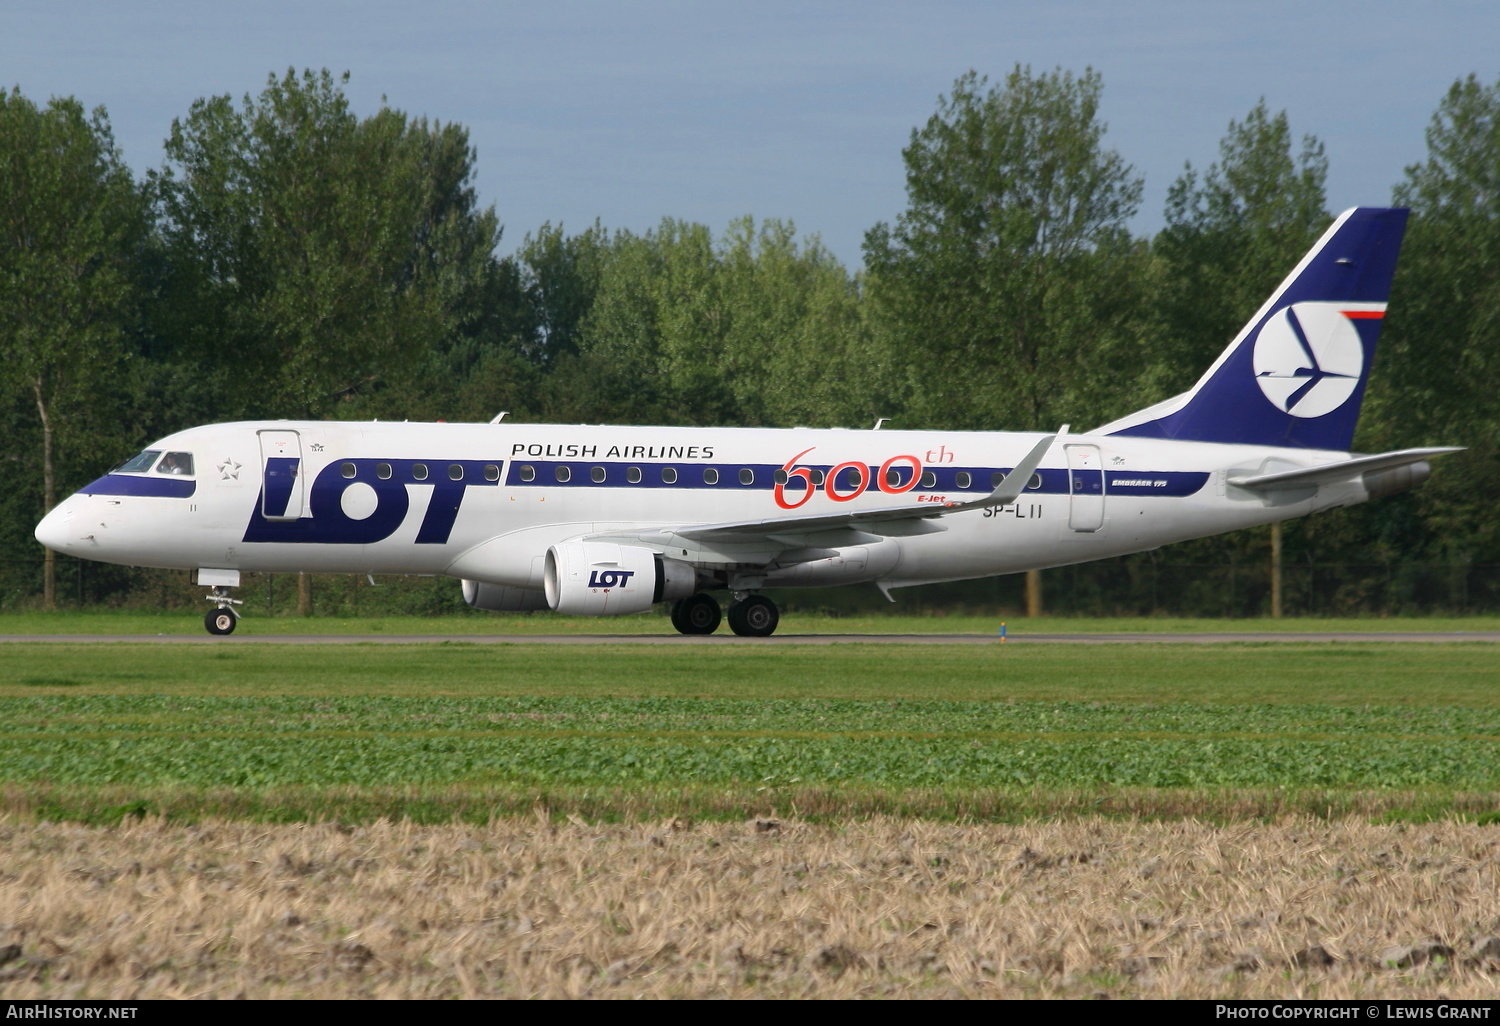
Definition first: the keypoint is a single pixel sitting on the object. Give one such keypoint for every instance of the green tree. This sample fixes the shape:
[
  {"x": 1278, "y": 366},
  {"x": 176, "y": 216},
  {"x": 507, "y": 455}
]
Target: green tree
[
  {"x": 753, "y": 328},
  {"x": 1436, "y": 380},
  {"x": 654, "y": 335},
  {"x": 536, "y": 371},
  {"x": 71, "y": 220},
  {"x": 561, "y": 275},
  {"x": 1004, "y": 293},
  {"x": 317, "y": 255},
  {"x": 1232, "y": 235},
  {"x": 795, "y": 347}
]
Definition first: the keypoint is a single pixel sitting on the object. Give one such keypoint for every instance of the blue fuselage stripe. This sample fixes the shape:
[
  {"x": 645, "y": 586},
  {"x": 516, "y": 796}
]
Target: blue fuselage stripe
[{"x": 582, "y": 474}]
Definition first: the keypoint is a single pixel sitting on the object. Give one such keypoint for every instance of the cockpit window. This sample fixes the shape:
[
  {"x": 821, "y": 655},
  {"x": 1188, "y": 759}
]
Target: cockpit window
[
  {"x": 139, "y": 463},
  {"x": 178, "y": 463}
]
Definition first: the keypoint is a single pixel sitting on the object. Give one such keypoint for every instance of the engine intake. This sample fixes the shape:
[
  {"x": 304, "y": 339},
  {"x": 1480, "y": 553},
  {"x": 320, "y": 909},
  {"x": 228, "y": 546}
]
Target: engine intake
[{"x": 596, "y": 578}]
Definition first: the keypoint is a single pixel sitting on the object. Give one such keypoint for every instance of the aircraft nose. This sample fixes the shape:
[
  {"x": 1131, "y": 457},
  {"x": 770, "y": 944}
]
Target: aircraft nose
[{"x": 55, "y": 530}]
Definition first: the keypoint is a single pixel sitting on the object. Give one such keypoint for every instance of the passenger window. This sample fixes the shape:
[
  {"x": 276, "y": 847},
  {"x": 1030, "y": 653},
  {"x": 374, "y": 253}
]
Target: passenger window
[
  {"x": 781, "y": 477},
  {"x": 419, "y": 471},
  {"x": 138, "y": 464},
  {"x": 347, "y": 469},
  {"x": 491, "y": 472},
  {"x": 996, "y": 478},
  {"x": 383, "y": 471},
  {"x": 963, "y": 480},
  {"x": 817, "y": 478},
  {"x": 180, "y": 463},
  {"x": 893, "y": 477},
  {"x": 929, "y": 480},
  {"x": 528, "y": 472},
  {"x": 1035, "y": 482},
  {"x": 563, "y": 474},
  {"x": 633, "y": 475},
  {"x": 668, "y": 475},
  {"x": 710, "y": 476},
  {"x": 747, "y": 476},
  {"x": 455, "y": 471},
  {"x": 596, "y": 475}
]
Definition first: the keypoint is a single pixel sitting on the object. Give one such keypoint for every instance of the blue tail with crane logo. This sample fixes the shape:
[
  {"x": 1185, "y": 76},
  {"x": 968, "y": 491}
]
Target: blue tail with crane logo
[{"x": 1295, "y": 374}]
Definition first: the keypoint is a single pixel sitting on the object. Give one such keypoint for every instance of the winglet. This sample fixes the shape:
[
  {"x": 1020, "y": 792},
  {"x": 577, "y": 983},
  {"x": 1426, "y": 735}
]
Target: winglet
[{"x": 1014, "y": 484}]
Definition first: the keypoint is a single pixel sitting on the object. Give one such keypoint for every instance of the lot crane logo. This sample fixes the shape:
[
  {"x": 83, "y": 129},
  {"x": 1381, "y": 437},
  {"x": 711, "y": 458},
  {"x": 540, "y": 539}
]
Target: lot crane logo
[{"x": 1308, "y": 357}]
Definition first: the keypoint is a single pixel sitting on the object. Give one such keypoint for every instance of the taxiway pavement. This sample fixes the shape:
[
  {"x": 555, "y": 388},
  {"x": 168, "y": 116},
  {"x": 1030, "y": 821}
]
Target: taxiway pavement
[{"x": 1216, "y": 638}]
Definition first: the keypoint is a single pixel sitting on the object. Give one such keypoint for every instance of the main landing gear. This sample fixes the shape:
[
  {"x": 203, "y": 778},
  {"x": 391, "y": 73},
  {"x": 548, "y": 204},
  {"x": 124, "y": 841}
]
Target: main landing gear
[
  {"x": 753, "y": 616},
  {"x": 698, "y": 614}
]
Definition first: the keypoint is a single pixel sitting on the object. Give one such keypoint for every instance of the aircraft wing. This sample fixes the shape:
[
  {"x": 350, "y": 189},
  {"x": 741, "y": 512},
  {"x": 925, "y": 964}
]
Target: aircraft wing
[
  {"x": 742, "y": 531},
  {"x": 1307, "y": 477}
]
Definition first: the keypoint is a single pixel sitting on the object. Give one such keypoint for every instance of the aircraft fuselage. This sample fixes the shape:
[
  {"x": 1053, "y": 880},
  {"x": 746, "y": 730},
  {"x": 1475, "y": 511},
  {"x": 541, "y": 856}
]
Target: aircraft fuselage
[{"x": 485, "y": 501}]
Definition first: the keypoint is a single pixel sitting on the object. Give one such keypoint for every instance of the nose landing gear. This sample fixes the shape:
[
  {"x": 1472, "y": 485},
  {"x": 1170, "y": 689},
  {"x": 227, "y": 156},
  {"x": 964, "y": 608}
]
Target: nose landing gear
[{"x": 222, "y": 618}]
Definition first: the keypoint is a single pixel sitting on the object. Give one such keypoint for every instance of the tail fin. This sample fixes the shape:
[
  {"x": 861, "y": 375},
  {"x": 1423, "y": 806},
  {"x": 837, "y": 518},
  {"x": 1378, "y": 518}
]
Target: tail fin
[{"x": 1295, "y": 375}]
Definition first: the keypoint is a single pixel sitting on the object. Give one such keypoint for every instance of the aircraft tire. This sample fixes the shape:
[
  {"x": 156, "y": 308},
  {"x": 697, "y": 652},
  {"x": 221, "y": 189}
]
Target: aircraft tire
[
  {"x": 221, "y": 621},
  {"x": 755, "y": 617},
  {"x": 698, "y": 614}
]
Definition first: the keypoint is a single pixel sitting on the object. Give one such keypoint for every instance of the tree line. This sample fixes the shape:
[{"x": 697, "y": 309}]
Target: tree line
[{"x": 291, "y": 258}]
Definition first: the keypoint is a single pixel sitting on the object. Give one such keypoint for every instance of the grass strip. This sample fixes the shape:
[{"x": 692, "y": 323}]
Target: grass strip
[
  {"x": 110, "y": 804},
  {"x": 178, "y": 622},
  {"x": 431, "y": 732},
  {"x": 207, "y": 741},
  {"x": 1334, "y": 673}
]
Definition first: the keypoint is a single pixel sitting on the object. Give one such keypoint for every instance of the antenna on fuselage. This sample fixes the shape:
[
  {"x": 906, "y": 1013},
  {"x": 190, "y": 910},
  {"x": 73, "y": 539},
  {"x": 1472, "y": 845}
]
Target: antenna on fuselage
[
  {"x": 879, "y": 422},
  {"x": 499, "y": 416}
]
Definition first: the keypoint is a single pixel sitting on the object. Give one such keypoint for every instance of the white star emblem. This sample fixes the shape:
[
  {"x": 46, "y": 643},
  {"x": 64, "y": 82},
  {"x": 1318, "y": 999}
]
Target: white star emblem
[{"x": 229, "y": 469}]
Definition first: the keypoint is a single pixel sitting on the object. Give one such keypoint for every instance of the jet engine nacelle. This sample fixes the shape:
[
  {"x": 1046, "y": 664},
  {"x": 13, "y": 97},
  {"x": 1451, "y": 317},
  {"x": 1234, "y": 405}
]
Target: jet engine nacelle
[
  {"x": 502, "y": 598},
  {"x": 596, "y": 578}
]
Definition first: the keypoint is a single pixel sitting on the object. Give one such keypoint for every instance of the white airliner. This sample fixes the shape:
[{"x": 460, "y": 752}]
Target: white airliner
[{"x": 601, "y": 521}]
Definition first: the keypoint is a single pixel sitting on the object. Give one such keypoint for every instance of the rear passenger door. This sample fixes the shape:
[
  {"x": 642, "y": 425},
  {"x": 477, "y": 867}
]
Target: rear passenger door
[{"x": 1085, "y": 488}]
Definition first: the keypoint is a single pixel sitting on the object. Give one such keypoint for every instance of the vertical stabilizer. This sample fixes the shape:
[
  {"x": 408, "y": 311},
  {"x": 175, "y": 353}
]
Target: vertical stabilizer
[{"x": 1295, "y": 375}]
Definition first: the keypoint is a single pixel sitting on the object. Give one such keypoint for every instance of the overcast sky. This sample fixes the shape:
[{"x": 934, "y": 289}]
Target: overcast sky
[{"x": 629, "y": 112}]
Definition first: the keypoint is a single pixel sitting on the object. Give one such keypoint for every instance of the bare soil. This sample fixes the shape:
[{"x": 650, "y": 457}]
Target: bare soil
[{"x": 527, "y": 907}]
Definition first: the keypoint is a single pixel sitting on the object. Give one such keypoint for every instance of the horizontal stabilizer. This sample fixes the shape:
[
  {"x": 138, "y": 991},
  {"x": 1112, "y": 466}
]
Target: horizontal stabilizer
[{"x": 1344, "y": 470}]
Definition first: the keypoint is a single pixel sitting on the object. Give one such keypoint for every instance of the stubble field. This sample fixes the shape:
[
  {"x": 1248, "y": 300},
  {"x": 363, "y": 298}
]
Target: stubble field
[
  {"x": 525, "y": 907},
  {"x": 1229, "y": 820}
]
